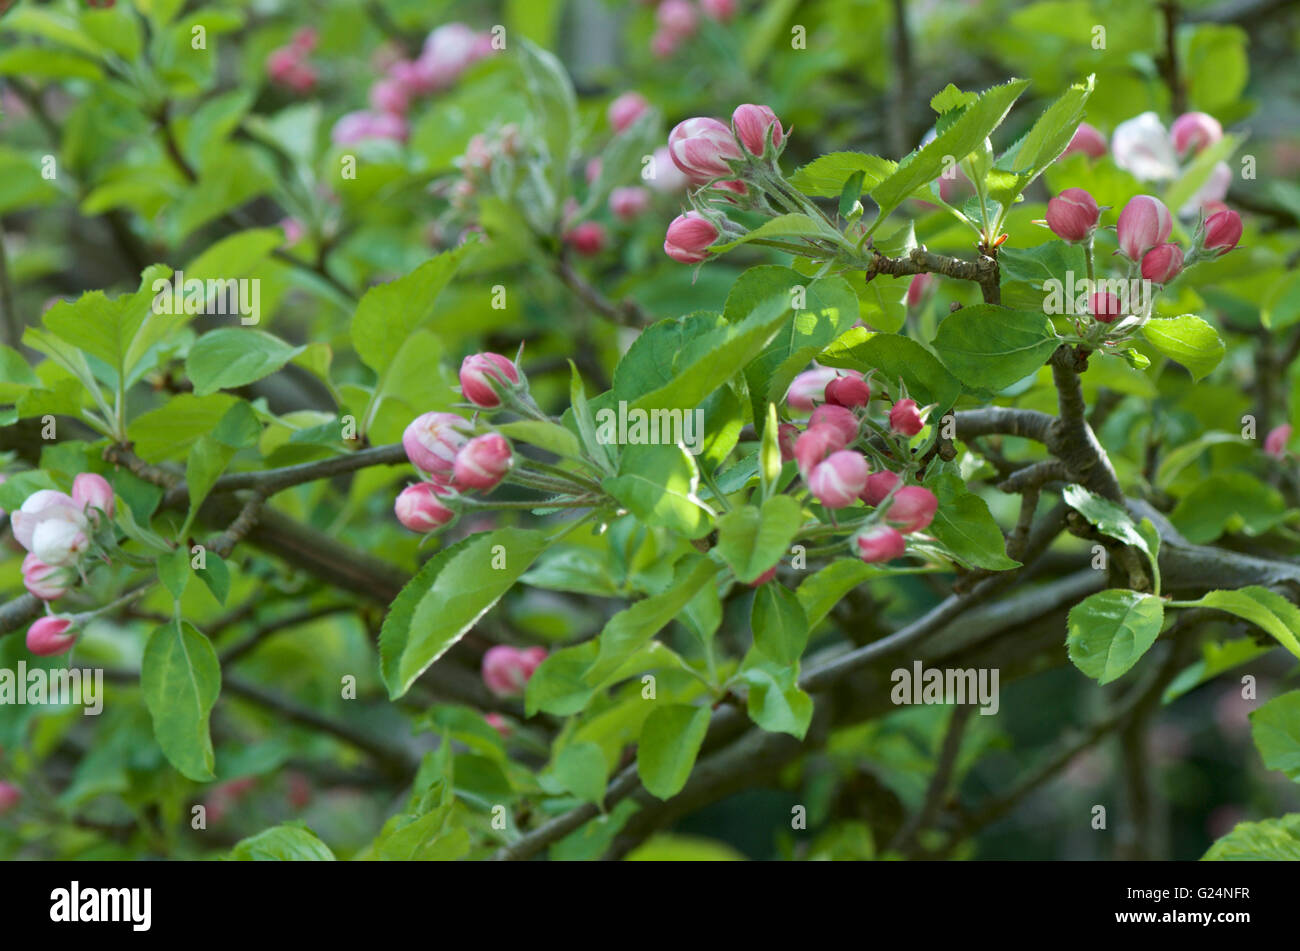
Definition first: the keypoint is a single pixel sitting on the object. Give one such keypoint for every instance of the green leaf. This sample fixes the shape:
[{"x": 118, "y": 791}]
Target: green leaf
[
  {"x": 1038, "y": 278},
  {"x": 447, "y": 597},
  {"x": 207, "y": 460},
  {"x": 1114, "y": 521},
  {"x": 779, "y": 624},
  {"x": 961, "y": 138},
  {"x": 826, "y": 176},
  {"x": 1179, "y": 458},
  {"x": 792, "y": 225},
  {"x": 896, "y": 357},
  {"x": 659, "y": 484},
  {"x": 830, "y": 307},
  {"x": 769, "y": 455},
  {"x": 989, "y": 347},
  {"x": 1269, "y": 841},
  {"x": 1187, "y": 340},
  {"x": 776, "y": 703},
  {"x": 822, "y": 591},
  {"x": 229, "y": 358},
  {"x": 851, "y": 193},
  {"x": 1228, "y": 501},
  {"x": 1044, "y": 143},
  {"x": 168, "y": 431},
  {"x": 1215, "y": 659},
  {"x": 965, "y": 527},
  {"x": 174, "y": 571},
  {"x": 216, "y": 575},
  {"x": 581, "y": 769},
  {"x": 633, "y": 627},
  {"x": 287, "y": 842},
  {"x": 752, "y": 540},
  {"x": 389, "y": 313},
  {"x": 108, "y": 328},
  {"x": 1268, "y": 609},
  {"x": 670, "y": 740},
  {"x": 181, "y": 678},
  {"x": 1111, "y": 630},
  {"x": 550, "y": 436},
  {"x": 556, "y": 110},
  {"x": 1275, "y": 728}
]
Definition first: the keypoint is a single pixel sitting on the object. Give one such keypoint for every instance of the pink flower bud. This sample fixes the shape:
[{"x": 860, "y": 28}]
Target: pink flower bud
[
  {"x": 1142, "y": 146},
  {"x": 1088, "y": 141},
  {"x": 756, "y": 126},
  {"x": 1193, "y": 131},
  {"x": 626, "y": 109},
  {"x": 1144, "y": 223},
  {"x": 628, "y": 202},
  {"x": 689, "y": 237},
  {"x": 1105, "y": 306},
  {"x": 293, "y": 231},
  {"x": 389, "y": 95},
  {"x": 498, "y": 723},
  {"x": 281, "y": 63},
  {"x": 10, "y": 795},
  {"x": 809, "y": 387},
  {"x": 764, "y": 578},
  {"x": 879, "y": 485},
  {"x": 664, "y": 44},
  {"x": 1072, "y": 215},
  {"x": 849, "y": 391},
  {"x": 1276, "y": 440},
  {"x": 702, "y": 147},
  {"x": 484, "y": 375},
  {"x": 839, "y": 479},
  {"x": 905, "y": 418},
  {"x": 506, "y": 670},
  {"x": 409, "y": 76},
  {"x": 40, "y": 506},
  {"x": 786, "y": 436},
  {"x": 58, "y": 542},
  {"x": 815, "y": 444},
  {"x": 448, "y": 51},
  {"x": 431, "y": 442},
  {"x": 880, "y": 543},
  {"x": 830, "y": 414},
  {"x": 91, "y": 491},
  {"x": 587, "y": 238},
  {"x": 51, "y": 635},
  {"x": 720, "y": 10},
  {"x": 677, "y": 18},
  {"x": 44, "y": 581},
  {"x": 1222, "y": 231},
  {"x": 920, "y": 286},
  {"x": 592, "y": 170},
  {"x": 1162, "y": 263},
  {"x": 304, "y": 40},
  {"x": 482, "y": 462},
  {"x": 912, "y": 508},
  {"x": 385, "y": 125},
  {"x": 419, "y": 508},
  {"x": 666, "y": 178}
]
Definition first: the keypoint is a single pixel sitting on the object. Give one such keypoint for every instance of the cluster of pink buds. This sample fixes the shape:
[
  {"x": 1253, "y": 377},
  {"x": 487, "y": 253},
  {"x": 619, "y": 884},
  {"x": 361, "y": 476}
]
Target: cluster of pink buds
[
  {"x": 58, "y": 529},
  {"x": 454, "y": 460},
  {"x": 731, "y": 166},
  {"x": 287, "y": 66},
  {"x": 447, "y": 53},
  {"x": 1143, "y": 147},
  {"x": 506, "y": 670},
  {"x": 838, "y": 474}
]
